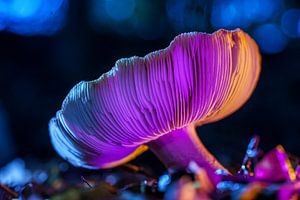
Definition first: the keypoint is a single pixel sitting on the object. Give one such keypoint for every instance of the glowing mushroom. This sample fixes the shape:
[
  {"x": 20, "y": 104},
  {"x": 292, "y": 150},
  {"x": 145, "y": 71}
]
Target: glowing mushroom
[{"x": 156, "y": 101}]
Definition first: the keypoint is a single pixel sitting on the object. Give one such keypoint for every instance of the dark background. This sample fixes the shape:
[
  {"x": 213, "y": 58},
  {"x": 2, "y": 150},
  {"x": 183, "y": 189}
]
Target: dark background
[{"x": 38, "y": 69}]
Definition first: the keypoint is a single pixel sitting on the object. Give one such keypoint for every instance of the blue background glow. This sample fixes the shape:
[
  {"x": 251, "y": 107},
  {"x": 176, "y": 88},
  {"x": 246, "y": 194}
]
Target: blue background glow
[
  {"x": 32, "y": 17},
  {"x": 47, "y": 46}
]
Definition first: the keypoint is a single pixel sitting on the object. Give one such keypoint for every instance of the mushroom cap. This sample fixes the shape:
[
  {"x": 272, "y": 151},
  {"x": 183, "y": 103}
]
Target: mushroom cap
[{"x": 198, "y": 79}]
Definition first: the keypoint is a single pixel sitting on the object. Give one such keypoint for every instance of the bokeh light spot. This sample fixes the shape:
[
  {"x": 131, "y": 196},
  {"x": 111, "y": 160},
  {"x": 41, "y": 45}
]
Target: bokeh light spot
[
  {"x": 242, "y": 13},
  {"x": 24, "y": 8},
  {"x": 186, "y": 15},
  {"x": 32, "y": 17},
  {"x": 119, "y": 10},
  {"x": 15, "y": 173},
  {"x": 270, "y": 38},
  {"x": 163, "y": 182},
  {"x": 290, "y": 23}
]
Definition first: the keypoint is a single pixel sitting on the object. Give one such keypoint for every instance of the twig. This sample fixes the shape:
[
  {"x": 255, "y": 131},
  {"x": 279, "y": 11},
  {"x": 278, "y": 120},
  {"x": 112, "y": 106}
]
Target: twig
[
  {"x": 85, "y": 181},
  {"x": 9, "y": 191},
  {"x": 137, "y": 169},
  {"x": 131, "y": 185}
]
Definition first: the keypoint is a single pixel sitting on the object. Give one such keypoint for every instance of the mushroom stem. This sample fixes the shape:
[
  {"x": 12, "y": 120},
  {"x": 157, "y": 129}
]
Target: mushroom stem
[{"x": 178, "y": 148}]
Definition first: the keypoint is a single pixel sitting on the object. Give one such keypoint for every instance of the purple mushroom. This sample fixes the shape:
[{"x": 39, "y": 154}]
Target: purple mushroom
[{"x": 156, "y": 102}]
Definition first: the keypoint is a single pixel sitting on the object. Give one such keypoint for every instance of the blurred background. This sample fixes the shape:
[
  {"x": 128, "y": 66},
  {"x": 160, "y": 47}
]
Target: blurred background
[{"x": 46, "y": 47}]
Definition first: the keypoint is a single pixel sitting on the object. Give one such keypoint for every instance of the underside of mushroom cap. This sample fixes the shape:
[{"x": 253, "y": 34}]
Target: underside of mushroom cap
[
  {"x": 198, "y": 79},
  {"x": 68, "y": 146}
]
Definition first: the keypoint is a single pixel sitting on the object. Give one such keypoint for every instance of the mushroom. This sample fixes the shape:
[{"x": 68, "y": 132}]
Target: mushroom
[{"x": 156, "y": 102}]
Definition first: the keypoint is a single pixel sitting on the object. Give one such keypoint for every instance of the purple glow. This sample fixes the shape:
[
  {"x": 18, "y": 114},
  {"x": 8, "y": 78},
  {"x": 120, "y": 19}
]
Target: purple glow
[
  {"x": 198, "y": 79},
  {"x": 275, "y": 166}
]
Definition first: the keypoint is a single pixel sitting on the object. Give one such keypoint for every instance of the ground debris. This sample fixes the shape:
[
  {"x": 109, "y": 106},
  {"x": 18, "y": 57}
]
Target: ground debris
[{"x": 274, "y": 175}]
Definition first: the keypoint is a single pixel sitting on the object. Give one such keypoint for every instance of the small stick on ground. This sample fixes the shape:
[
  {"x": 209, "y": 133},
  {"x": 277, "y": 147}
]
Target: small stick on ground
[
  {"x": 137, "y": 169},
  {"x": 85, "y": 181},
  {"x": 9, "y": 191}
]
